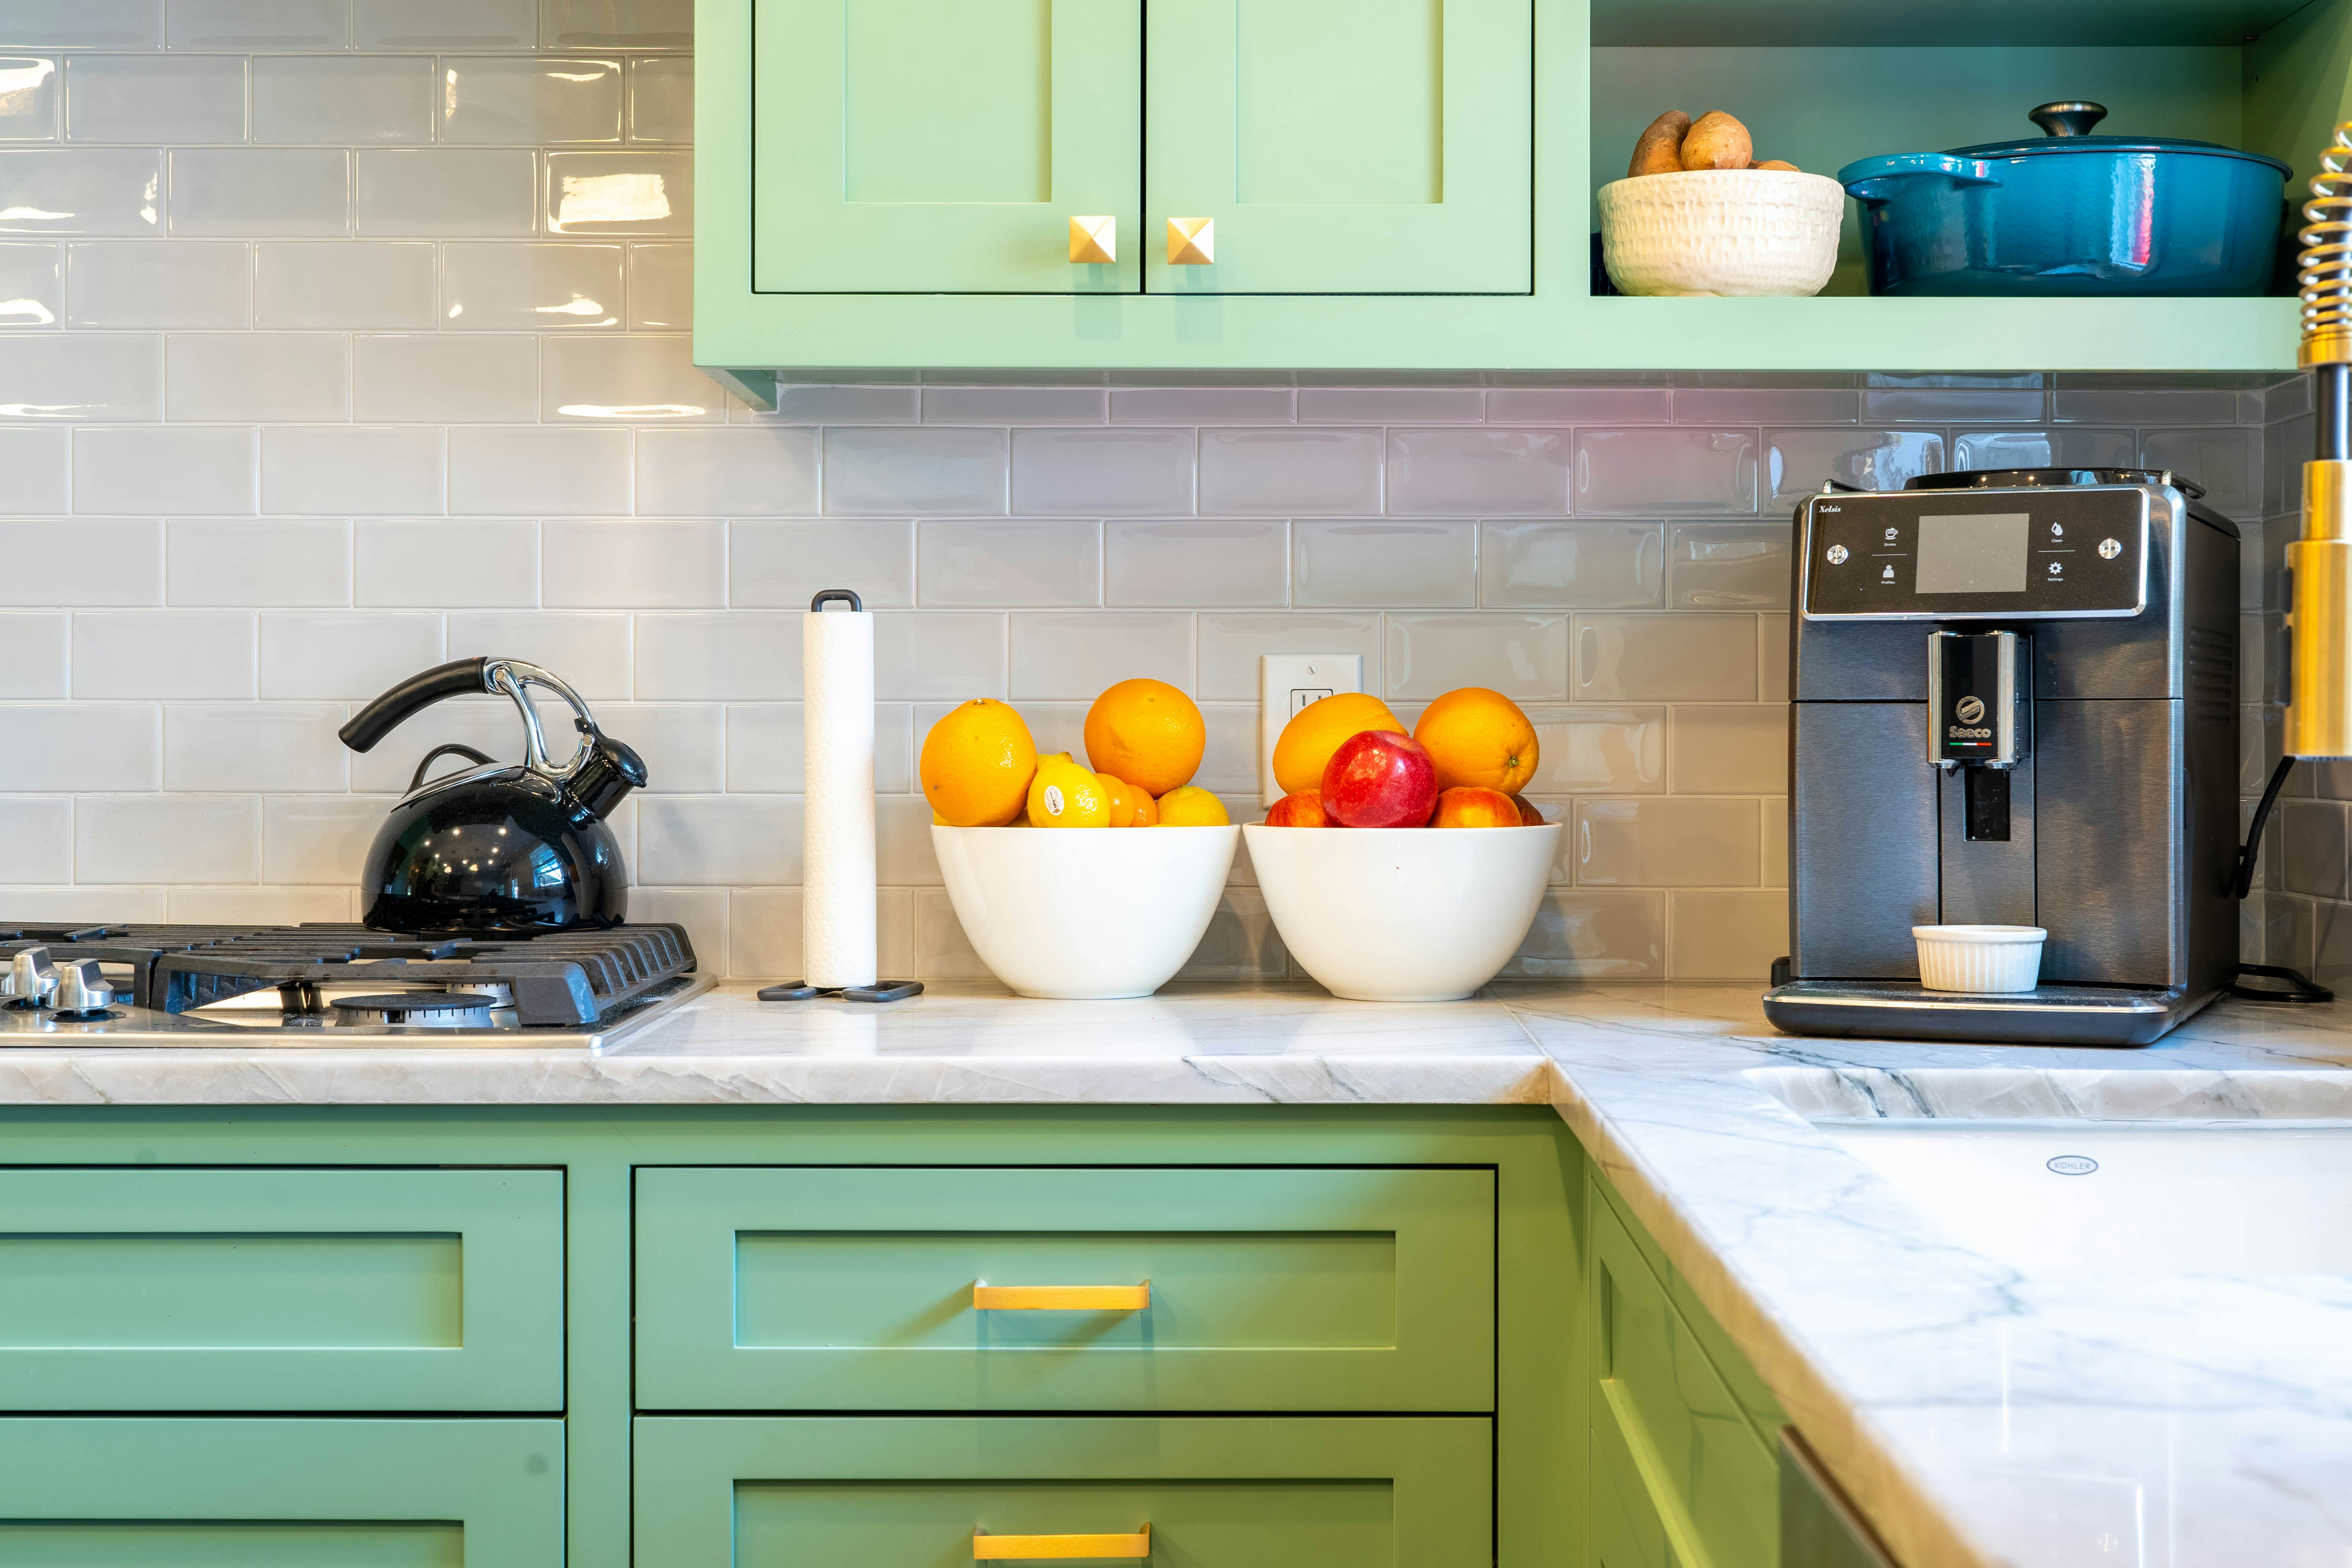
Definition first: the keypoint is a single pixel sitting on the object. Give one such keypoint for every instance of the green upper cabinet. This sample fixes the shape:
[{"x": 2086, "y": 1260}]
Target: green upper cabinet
[
  {"x": 1343, "y": 146},
  {"x": 921, "y": 146}
]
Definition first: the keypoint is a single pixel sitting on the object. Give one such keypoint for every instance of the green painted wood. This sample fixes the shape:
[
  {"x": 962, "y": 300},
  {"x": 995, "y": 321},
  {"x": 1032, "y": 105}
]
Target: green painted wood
[
  {"x": 1712, "y": 1484},
  {"x": 1626, "y": 1529},
  {"x": 928, "y": 144},
  {"x": 1271, "y": 1289},
  {"x": 2299, "y": 88},
  {"x": 1343, "y": 146},
  {"x": 891, "y": 1492},
  {"x": 2134, "y": 24},
  {"x": 180, "y": 1492},
  {"x": 285, "y": 1290}
]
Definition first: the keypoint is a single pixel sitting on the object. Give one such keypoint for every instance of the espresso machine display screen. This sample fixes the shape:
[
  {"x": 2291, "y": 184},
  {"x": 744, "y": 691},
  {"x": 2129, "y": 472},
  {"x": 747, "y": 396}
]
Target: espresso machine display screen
[{"x": 1984, "y": 554}]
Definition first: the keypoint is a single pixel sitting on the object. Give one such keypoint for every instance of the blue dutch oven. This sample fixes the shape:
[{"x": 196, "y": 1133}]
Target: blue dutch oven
[{"x": 2071, "y": 214}]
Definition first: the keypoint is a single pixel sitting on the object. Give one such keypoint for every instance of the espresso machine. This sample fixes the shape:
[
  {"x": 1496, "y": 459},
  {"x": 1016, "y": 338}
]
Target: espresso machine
[{"x": 2014, "y": 703}]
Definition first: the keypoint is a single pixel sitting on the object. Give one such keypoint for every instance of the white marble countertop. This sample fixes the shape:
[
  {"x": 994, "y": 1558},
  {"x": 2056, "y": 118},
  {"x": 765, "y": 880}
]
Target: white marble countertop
[{"x": 1980, "y": 1414}]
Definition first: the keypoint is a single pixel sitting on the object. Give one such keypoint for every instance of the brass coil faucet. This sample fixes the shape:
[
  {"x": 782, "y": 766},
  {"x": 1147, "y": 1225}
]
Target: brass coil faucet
[{"x": 2319, "y": 564}]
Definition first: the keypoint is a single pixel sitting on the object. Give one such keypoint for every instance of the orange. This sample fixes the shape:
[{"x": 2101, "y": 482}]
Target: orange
[
  {"x": 976, "y": 765},
  {"x": 1191, "y": 806},
  {"x": 1065, "y": 795},
  {"x": 1122, "y": 800},
  {"x": 1147, "y": 732},
  {"x": 1146, "y": 810},
  {"x": 1479, "y": 739},
  {"x": 1316, "y": 731}
]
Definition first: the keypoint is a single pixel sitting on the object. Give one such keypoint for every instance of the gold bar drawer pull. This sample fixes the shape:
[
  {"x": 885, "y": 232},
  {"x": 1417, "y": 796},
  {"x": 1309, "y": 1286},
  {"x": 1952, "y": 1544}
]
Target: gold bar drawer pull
[
  {"x": 990, "y": 1297},
  {"x": 986, "y": 1547}
]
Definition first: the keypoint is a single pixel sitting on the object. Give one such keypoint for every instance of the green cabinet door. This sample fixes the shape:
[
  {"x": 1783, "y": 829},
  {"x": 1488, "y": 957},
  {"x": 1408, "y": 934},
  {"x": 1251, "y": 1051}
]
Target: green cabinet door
[
  {"x": 1214, "y": 1492},
  {"x": 915, "y": 146},
  {"x": 117, "y": 1492},
  {"x": 280, "y": 1289},
  {"x": 1343, "y": 146},
  {"x": 834, "y": 1289}
]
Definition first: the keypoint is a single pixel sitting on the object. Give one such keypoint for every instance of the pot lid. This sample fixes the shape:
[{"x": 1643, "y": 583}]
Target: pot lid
[{"x": 2066, "y": 128}]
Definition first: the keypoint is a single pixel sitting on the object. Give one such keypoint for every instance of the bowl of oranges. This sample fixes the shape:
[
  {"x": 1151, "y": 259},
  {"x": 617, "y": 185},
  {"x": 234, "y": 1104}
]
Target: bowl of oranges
[
  {"x": 1080, "y": 914},
  {"x": 1391, "y": 907}
]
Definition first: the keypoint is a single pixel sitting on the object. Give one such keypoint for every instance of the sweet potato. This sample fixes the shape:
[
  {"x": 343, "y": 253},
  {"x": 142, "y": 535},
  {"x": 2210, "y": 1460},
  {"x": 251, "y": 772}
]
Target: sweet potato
[
  {"x": 1717, "y": 141},
  {"x": 1776, "y": 163},
  {"x": 1660, "y": 150}
]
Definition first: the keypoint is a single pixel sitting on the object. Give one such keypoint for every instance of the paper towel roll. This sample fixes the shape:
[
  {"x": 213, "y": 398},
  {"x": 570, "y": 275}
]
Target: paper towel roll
[{"x": 837, "y": 828}]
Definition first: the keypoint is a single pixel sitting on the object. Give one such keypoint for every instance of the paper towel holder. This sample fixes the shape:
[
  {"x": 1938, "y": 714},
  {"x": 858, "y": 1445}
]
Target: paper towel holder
[{"x": 881, "y": 990}]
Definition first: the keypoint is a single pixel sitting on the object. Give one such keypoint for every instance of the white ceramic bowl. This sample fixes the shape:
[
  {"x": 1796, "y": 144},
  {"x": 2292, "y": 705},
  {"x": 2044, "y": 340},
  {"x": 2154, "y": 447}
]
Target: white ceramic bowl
[
  {"x": 1084, "y": 913},
  {"x": 1721, "y": 231},
  {"x": 1403, "y": 914},
  {"x": 1979, "y": 958}
]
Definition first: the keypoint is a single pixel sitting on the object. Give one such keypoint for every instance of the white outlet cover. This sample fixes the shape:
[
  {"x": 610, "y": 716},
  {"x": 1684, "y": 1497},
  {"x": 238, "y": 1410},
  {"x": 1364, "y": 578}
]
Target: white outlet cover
[{"x": 1287, "y": 682}]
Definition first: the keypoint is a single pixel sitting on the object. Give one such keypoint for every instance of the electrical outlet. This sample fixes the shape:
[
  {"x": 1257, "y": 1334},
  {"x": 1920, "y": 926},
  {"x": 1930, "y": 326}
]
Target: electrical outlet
[{"x": 1287, "y": 682}]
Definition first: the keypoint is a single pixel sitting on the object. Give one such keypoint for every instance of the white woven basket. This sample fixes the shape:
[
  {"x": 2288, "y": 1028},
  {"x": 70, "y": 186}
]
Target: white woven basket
[{"x": 1721, "y": 231}]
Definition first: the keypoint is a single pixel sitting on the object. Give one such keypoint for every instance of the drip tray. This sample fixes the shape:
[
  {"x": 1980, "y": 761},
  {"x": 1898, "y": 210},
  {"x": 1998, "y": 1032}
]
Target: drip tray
[{"x": 2045, "y": 1015}]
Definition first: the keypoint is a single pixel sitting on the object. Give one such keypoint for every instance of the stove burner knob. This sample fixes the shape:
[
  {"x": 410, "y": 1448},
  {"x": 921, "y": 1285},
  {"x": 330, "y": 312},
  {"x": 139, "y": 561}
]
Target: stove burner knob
[
  {"x": 29, "y": 979},
  {"x": 80, "y": 992}
]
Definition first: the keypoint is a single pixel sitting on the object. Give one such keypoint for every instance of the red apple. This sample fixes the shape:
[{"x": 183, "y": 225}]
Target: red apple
[
  {"x": 1301, "y": 808},
  {"x": 1530, "y": 816},
  {"x": 1380, "y": 778},
  {"x": 1470, "y": 806}
]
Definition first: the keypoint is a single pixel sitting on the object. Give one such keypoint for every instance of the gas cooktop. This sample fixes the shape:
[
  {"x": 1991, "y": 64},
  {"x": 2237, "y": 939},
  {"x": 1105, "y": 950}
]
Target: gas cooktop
[{"x": 195, "y": 985}]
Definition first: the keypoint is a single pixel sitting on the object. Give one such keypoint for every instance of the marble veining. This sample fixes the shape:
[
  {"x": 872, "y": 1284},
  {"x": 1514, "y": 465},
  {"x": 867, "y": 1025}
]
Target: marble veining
[{"x": 1980, "y": 1416}]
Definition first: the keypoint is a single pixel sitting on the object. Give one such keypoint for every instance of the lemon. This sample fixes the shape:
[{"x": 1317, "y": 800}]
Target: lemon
[
  {"x": 1066, "y": 794},
  {"x": 1191, "y": 806}
]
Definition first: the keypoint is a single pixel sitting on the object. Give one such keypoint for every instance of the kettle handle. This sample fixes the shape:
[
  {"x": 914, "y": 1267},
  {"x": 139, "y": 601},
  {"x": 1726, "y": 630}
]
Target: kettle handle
[
  {"x": 412, "y": 696},
  {"x": 464, "y": 677}
]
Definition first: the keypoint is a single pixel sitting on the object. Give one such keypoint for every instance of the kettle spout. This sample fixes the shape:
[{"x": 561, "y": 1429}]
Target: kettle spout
[{"x": 606, "y": 771}]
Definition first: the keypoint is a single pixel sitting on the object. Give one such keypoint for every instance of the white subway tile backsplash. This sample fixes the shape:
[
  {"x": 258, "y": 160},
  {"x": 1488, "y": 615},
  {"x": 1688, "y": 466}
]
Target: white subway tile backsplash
[
  {"x": 259, "y": 192},
  {"x": 1073, "y": 656},
  {"x": 1201, "y": 404},
  {"x": 635, "y": 379},
  {"x": 59, "y": 376},
  {"x": 738, "y": 472},
  {"x": 29, "y": 93},
  {"x": 1522, "y": 656},
  {"x": 637, "y": 194},
  {"x": 351, "y": 469},
  {"x": 822, "y": 404},
  {"x": 787, "y": 564},
  {"x": 38, "y": 831},
  {"x": 1666, "y": 841},
  {"x": 167, "y": 838},
  {"x": 902, "y": 842},
  {"x": 532, "y": 102},
  {"x": 494, "y": 286},
  {"x": 1726, "y": 936},
  {"x": 1579, "y": 404},
  {"x": 1677, "y": 469},
  {"x": 1934, "y": 398},
  {"x": 548, "y": 472},
  {"x": 1285, "y": 472},
  {"x": 721, "y": 656},
  {"x": 257, "y": 376},
  {"x": 1218, "y": 564},
  {"x": 319, "y": 838},
  {"x": 1727, "y": 749},
  {"x": 1230, "y": 645},
  {"x": 257, "y": 905},
  {"x": 445, "y": 190},
  {"x": 486, "y": 723},
  {"x": 1014, "y": 405},
  {"x": 153, "y": 469},
  {"x": 86, "y": 746},
  {"x": 139, "y": 283},
  {"x": 616, "y": 23},
  {"x": 1484, "y": 471},
  {"x": 1798, "y": 461},
  {"x": 1571, "y": 565},
  {"x": 346, "y": 285},
  {"x": 1116, "y": 470},
  {"x": 81, "y": 190},
  {"x": 1766, "y": 404},
  {"x": 1586, "y": 748},
  {"x": 31, "y": 284},
  {"x": 2051, "y": 446},
  {"x": 256, "y": 562},
  {"x": 2227, "y": 461},
  {"x": 661, "y": 298},
  {"x": 725, "y": 840},
  {"x": 686, "y": 742},
  {"x": 636, "y": 564},
  {"x": 1773, "y": 657},
  {"x": 590, "y": 650},
  {"x": 2136, "y": 400},
  {"x": 661, "y": 99},
  {"x": 993, "y": 562},
  {"x": 162, "y": 654},
  {"x": 154, "y": 98},
  {"x": 445, "y": 378},
  {"x": 31, "y": 655},
  {"x": 342, "y": 99},
  {"x": 34, "y": 463},
  {"x": 344, "y": 654},
  {"x": 255, "y": 24},
  {"x": 951, "y": 654},
  {"x": 1594, "y": 934},
  {"x": 1374, "y": 562},
  {"x": 888, "y": 471},
  {"x": 444, "y": 23},
  {"x": 82, "y": 24},
  {"x": 1390, "y": 404},
  {"x": 1728, "y": 565},
  {"x": 75, "y": 561},
  {"x": 288, "y": 746},
  {"x": 458, "y": 564},
  {"x": 1673, "y": 657}
]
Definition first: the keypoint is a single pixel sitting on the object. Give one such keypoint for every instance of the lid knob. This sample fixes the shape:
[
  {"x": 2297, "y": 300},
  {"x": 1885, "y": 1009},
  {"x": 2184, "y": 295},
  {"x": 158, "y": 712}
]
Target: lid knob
[{"x": 2068, "y": 117}]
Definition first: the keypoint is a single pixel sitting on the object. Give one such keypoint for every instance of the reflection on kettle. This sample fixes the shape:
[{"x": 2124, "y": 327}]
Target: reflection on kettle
[{"x": 498, "y": 849}]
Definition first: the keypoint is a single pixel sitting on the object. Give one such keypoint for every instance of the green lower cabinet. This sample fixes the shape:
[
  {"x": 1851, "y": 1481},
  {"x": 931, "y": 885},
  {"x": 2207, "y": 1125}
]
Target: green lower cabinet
[
  {"x": 123, "y": 1492},
  {"x": 1212, "y": 1492}
]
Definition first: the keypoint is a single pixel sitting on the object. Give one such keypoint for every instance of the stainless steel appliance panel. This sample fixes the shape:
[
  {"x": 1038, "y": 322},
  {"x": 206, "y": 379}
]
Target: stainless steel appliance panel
[
  {"x": 2111, "y": 841},
  {"x": 1989, "y": 883},
  {"x": 1863, "y": 837}
]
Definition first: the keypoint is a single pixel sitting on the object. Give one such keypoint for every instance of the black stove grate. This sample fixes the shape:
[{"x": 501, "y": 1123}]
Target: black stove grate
[{"x": 560, "y": 978}]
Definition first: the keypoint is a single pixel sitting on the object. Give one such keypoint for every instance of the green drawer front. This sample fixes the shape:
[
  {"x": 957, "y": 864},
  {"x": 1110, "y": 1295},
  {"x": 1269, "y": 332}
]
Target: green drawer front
[
  {"x": 181, "y": 1493},
  {"x": 1711, "y": 1485},
  {"x": 267, "y": 1289},
  {"x": 810, "y": 1288},
  {"x": 910, "y": 1492}
]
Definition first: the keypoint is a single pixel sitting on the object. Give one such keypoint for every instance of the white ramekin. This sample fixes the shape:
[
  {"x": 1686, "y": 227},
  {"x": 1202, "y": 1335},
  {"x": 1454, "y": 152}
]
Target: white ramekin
[{"x": 1979, "y": 958}]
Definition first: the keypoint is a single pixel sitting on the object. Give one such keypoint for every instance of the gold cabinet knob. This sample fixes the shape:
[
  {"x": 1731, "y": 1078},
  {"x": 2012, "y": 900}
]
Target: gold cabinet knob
[
  {"x": 1093, "y": 239},
  {"x": 1191, "y": 241}
]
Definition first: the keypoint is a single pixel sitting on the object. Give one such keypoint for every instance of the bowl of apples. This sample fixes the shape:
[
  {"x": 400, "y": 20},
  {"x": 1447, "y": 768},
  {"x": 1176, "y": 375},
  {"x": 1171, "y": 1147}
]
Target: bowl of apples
[{"x": 1404, "y": 867}]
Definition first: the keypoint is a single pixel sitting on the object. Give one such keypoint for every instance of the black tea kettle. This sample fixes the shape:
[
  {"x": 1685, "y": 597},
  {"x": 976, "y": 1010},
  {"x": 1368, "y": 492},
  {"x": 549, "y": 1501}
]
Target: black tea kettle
[{"x": 497, "y": 850}]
